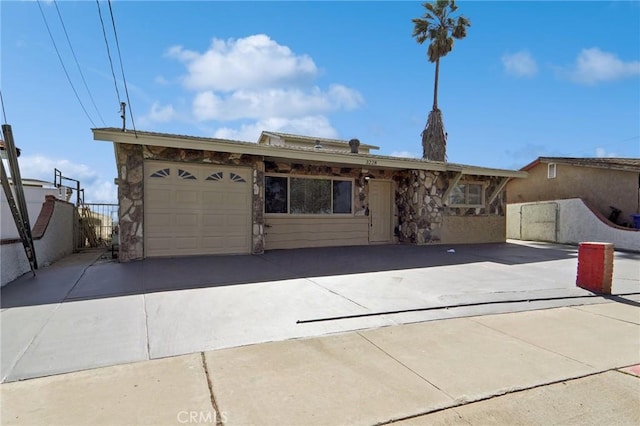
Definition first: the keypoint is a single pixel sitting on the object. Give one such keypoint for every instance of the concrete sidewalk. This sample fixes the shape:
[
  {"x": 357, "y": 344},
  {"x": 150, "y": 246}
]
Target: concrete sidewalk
[
  {"x": 566, "y": 365},
  {"x": 79, "y": 314}
]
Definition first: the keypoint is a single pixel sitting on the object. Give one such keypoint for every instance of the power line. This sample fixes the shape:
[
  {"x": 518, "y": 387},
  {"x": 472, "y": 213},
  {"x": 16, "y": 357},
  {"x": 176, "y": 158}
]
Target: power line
[
  {"x": 104, "y": 33},
  {"x": 124, "y": 80},
  {"x": 77, "y": 63},
  {"x": 62, "y": 63}
]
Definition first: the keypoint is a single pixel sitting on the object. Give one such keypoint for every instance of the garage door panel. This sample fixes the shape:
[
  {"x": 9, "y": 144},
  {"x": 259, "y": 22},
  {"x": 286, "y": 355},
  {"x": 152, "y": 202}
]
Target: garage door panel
[
  {"x": 159, "y": 220},
  {"x": 236, "y": 220},
  {"x": 212, "y": 199},
  {"x": 239, "y": 241},
  {"x": 197, "y": 209},
  {"x": 213, "y": 242},
  {"x": 235, "y": 199},
  {"x": 159, "y": 196},
  {"x": 188, "y": 220},
  {"x": 187, "y": 243},
  {"x": 187, "y": 198},
  {"x": 160, "y": 243},
  {"x": 213, "y": 220}
]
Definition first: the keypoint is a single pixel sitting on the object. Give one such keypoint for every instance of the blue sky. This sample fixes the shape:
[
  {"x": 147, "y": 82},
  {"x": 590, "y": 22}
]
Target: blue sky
[{"x": 531, "y": 78}]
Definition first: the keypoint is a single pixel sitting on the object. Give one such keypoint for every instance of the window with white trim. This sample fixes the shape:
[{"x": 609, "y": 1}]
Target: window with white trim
[
  {"x": 467, "y": 194},
  {"x": 307, "y": 195},
  {"x": 551, "y": 171}
]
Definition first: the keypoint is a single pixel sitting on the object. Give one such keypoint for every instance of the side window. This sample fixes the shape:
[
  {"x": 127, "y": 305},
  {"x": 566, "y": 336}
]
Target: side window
[
  {"x": 551, "y": 171},
  {"x": 469, "y": 194}
]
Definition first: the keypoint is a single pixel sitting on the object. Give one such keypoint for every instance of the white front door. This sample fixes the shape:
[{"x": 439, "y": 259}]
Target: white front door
[{"x": 379, "y": 211}]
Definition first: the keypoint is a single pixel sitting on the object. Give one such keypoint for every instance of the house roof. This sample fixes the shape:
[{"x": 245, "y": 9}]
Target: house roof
[
  {"x": 310, "y": 139},
  {"x": 276, "y": 153},
  {"x": 625, "y": 164}
]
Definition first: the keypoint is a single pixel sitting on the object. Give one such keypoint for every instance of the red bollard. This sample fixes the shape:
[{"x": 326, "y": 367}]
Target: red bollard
[{"x": 595, "y": 267}]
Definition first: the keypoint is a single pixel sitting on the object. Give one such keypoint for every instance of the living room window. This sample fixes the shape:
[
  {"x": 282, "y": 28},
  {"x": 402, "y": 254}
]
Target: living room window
[
  {"x": 307, "y": 195},
  {"x": 467, "y": 194}
]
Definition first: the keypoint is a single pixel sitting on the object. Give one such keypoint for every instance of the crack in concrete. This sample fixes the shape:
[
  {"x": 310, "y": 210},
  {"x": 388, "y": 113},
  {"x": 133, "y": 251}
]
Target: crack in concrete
[
  {"x": 214, "y": 403},
  {"x": 406, "y": 366},
  {"x": 577, "y": 308},
  {"x": 531, "y": 343},
  {"x": 337, "y": 294},
  {"x": 46, "y": 322},
  {"x": 461, "y": 403},
  {"x": 146, "y": 325}
]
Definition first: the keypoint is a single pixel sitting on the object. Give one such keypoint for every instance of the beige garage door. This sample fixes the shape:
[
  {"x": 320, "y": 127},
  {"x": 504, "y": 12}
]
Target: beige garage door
[{"x": 196, "y": 209}]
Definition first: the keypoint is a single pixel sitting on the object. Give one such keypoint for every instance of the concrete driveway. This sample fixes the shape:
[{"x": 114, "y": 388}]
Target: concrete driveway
[{"x": 83, "y": 312}]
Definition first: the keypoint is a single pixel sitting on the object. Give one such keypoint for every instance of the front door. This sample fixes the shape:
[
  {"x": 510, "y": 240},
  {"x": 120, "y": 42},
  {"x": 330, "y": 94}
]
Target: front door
[{"x": 379, "y": 211}]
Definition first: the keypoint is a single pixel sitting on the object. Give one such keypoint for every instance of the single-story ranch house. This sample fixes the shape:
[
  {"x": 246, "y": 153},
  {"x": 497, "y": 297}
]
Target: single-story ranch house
[{"x": 183, "y": 195}]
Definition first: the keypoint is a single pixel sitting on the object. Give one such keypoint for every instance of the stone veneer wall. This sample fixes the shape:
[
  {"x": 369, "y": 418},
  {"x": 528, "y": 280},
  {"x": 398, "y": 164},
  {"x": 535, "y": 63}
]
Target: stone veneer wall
[
  {"x": 130, "y": 163},
  {"x": 496, "y": 208},
  {"x": 419, "y": 205}
]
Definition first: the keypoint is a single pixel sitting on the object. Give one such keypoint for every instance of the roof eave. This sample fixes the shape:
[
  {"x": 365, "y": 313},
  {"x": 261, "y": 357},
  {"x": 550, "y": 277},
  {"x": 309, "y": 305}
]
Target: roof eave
[{"x": 249, "y": 148}]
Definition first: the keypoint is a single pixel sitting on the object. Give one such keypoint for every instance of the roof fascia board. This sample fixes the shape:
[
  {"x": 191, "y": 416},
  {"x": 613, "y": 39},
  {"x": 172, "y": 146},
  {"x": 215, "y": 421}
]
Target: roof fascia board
[
  {"x": 482, "y": 171},
  {"x": 364, "y": 160}
]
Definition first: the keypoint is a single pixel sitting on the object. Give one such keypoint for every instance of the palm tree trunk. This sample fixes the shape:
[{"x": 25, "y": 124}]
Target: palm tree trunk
[{"x": 435, "y": 86}]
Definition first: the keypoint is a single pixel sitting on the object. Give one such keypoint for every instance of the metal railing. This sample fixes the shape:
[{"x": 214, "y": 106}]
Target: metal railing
[{"x": 98, "y": 225}]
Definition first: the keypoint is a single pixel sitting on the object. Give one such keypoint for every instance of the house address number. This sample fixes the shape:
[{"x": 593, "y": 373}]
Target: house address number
[{"x": 372, "y": 162}]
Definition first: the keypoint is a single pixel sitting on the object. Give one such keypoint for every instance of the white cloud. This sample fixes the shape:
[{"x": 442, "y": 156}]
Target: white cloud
[
  {"x": 520, "y": 64},
  {"x": 594, "y": 65},
  {"x": 273, "y": 102},
  {"x": 96, "y": 189},
  {"x": 160, "y": 80},
  {"x": 602, "y": 153},
  {"x": 158, "y": 114},
  {"x": 259, "y": 83},
  {"x": 247, "y": 63},
  {"x": 311, "y": 125},
  {"x": 405, "y": 154}
]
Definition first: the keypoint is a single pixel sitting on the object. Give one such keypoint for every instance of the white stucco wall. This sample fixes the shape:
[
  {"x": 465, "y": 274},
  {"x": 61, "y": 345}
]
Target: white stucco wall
[
  {"x": 34, "y": 197},
  {"x": 574, "y": 223},
  {"x": 56, "y": 243}
]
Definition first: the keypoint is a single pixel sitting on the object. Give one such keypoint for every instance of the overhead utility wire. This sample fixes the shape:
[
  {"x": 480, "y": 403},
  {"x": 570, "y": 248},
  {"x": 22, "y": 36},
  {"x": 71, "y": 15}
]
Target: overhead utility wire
[
  {"x": 124, "y": 80},
  {"x": 62, "y": 63},
  {"x": 77, "y": 63},
  {"x": 104, "y": 33}
]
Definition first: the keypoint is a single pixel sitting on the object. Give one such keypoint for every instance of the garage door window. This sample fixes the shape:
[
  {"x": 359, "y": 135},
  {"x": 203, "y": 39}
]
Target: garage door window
[
  {"x": 162, "y": 173},
  {"x": 296, "y": 195}
]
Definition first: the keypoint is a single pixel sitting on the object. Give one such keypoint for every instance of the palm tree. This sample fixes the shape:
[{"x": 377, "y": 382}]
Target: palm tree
[{"x": 440, "y": 28}]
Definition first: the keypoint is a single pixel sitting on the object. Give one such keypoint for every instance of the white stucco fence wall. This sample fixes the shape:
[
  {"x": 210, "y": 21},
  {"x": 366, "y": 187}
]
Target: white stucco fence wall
[
  {"x": 56, "y": 243},
  {"x": 572, "y": 223},
  {"x": 34, "y": 197}
]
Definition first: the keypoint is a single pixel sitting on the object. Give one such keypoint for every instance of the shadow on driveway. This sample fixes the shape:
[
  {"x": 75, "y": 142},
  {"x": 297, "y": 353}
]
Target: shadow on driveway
[{"x": 80, "y": 278}]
